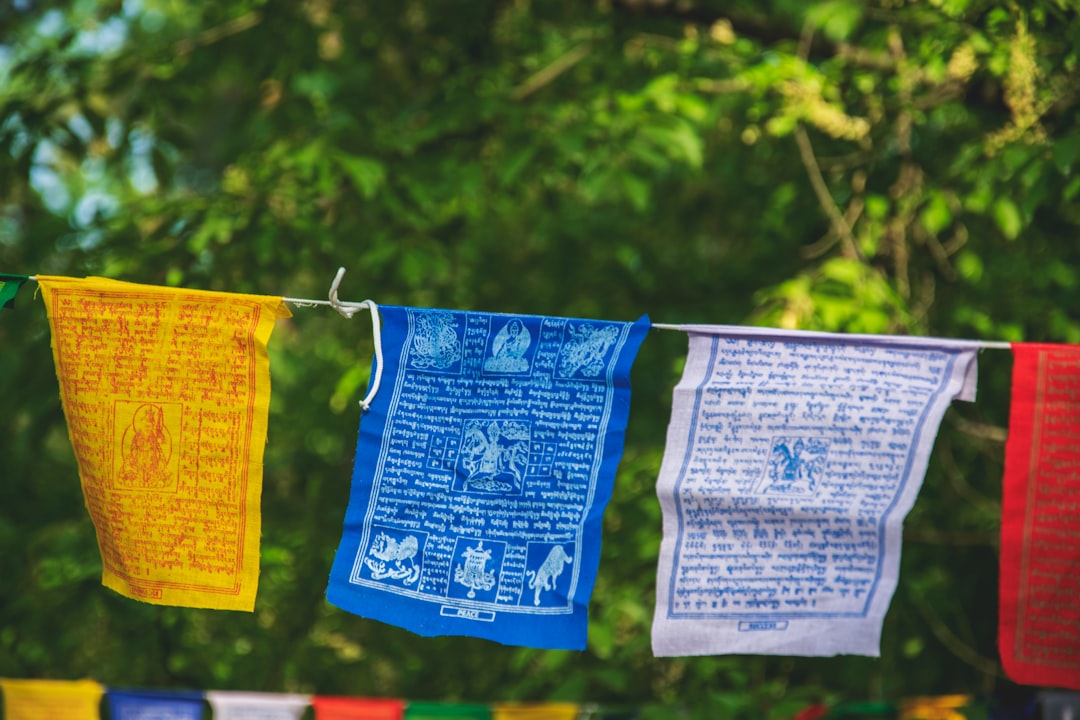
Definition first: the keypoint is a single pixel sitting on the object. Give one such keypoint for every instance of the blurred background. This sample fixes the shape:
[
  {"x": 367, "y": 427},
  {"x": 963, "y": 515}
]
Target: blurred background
[{"x": 889, "y": 166}]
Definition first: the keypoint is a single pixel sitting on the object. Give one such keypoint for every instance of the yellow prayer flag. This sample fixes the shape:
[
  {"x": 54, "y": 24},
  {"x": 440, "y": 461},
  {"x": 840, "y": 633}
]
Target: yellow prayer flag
[
  {"x": 51, "y": 699},
  {"x": 166, "y": 393},
  {"x": 936, "y": 707},
  {"x": 534, "y": 711}
]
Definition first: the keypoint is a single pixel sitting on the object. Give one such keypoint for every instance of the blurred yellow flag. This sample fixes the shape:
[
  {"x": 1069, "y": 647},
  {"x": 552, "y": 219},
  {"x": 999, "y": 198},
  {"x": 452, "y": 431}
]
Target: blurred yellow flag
[
  {"x": 166, "y": 393},
  {"x": 51, "y": 699},
  {"x": 534, "y": 711},
  {"x": 934, "y": 707}
]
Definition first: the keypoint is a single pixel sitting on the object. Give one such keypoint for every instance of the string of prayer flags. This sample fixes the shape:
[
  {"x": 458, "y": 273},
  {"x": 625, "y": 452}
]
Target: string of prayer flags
[
  {"x": 166, "y": 394},
  {"x": 791, "y": 461},
  {"x": 81, "y": 700},
  {"x": 446, "y": 711},
  {"x": 232, "y": 705},
  {"x": 535, "y": 711},
  {"x": 9, "y": 288},
  {"x": 51, "y": 699},
  {"x": 154, "y": 705},
  {"x": 1039, "y": 612},
  {"x": 481, "y": 475},
  {"x": 352, "y": 708}
]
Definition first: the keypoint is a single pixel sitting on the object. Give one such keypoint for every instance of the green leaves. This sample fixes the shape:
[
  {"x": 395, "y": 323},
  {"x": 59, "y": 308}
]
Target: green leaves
[
  {"x": 840, "y": 295},
  {"x": 837, "y": 19},
  {"x": 936, "y": 215},
  {"x": 367, "y": 175},
  {"x": 1008, "y": 218},
  {"x": 679, "y": 141}
]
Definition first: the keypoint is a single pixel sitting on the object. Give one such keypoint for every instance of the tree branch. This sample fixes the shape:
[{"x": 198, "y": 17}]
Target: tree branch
[
  {"x": 219, "y": 32},
  {"x": 547, "y": 74},
  {"x": 929, "y": 536},
  {"x": 955, "y": 645},
  {"x": 840, "y": 226},
  {"x": 983, "y": 431}
]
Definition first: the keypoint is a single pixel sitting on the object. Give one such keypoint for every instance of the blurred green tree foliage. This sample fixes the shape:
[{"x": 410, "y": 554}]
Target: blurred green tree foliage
[{"x": 895, "y": 166}]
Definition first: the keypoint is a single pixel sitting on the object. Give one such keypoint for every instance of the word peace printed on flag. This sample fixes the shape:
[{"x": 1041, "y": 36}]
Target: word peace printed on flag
[
  {"x": 166, "y": 393},
  {"x": 482, "y": 474},
  {"x": 1039, "y": 616},
  {"x": 791, "y": 461}
]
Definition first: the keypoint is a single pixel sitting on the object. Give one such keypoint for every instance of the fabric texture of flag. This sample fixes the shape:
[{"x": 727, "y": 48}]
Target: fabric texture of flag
[
  {"x": 51, "y": 699},
  {"x": 166, "y": 393},
  {"x": 230, "y": 705},
  {"x": 1039, "y": 612},
  {"x": 482, "y": 473},
  {"x": 791, "y": 461},
  {"x": 446, "y": 711},
  {"x": 534, "y": 711},
  {"x": 138, "y": 704},
  {"x": 354, "y": 708},
  {"x": 9, "y": 288}
]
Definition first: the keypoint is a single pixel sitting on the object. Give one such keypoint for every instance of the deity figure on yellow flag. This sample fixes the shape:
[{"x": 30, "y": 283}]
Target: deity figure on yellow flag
[{"x": 146, "y": 449}]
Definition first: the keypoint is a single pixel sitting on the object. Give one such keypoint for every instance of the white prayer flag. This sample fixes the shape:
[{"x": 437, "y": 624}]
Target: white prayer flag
[
  {"x": 228, "y": 705},
  {"x": 792, "y": 459}
]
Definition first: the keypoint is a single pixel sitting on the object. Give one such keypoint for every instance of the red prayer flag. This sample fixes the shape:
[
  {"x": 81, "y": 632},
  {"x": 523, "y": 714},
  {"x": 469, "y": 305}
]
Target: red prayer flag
[
  {"x": 351, "y": 708},
  {"x": 1039, "y": 625}
]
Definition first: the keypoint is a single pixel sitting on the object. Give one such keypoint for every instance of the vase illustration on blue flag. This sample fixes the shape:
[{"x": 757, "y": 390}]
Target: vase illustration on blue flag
[{"x": 482, "y": 473}]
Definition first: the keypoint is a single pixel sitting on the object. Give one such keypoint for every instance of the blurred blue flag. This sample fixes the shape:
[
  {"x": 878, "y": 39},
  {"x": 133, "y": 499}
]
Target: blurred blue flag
[{"x": 154, "y": 704}]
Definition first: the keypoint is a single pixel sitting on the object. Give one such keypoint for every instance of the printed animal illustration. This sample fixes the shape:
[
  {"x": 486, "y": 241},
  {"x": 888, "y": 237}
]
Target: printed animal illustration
[
  {"x": 548, "y": 573},
  {"x": 585, "y": 351},
  {"x": 436, "y": 343},
  {"x": 391, "y": 558},
  {"x": 795, "y": 468}
]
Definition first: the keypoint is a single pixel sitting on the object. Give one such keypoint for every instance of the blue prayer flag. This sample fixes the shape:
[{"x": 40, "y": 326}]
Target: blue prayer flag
[
  {"x": 482, "y": 473},
  {"x": 154, "y": 704}
]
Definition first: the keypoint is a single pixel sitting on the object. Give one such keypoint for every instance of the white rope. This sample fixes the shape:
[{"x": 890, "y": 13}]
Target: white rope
[{"x": 347, "y": 310}]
